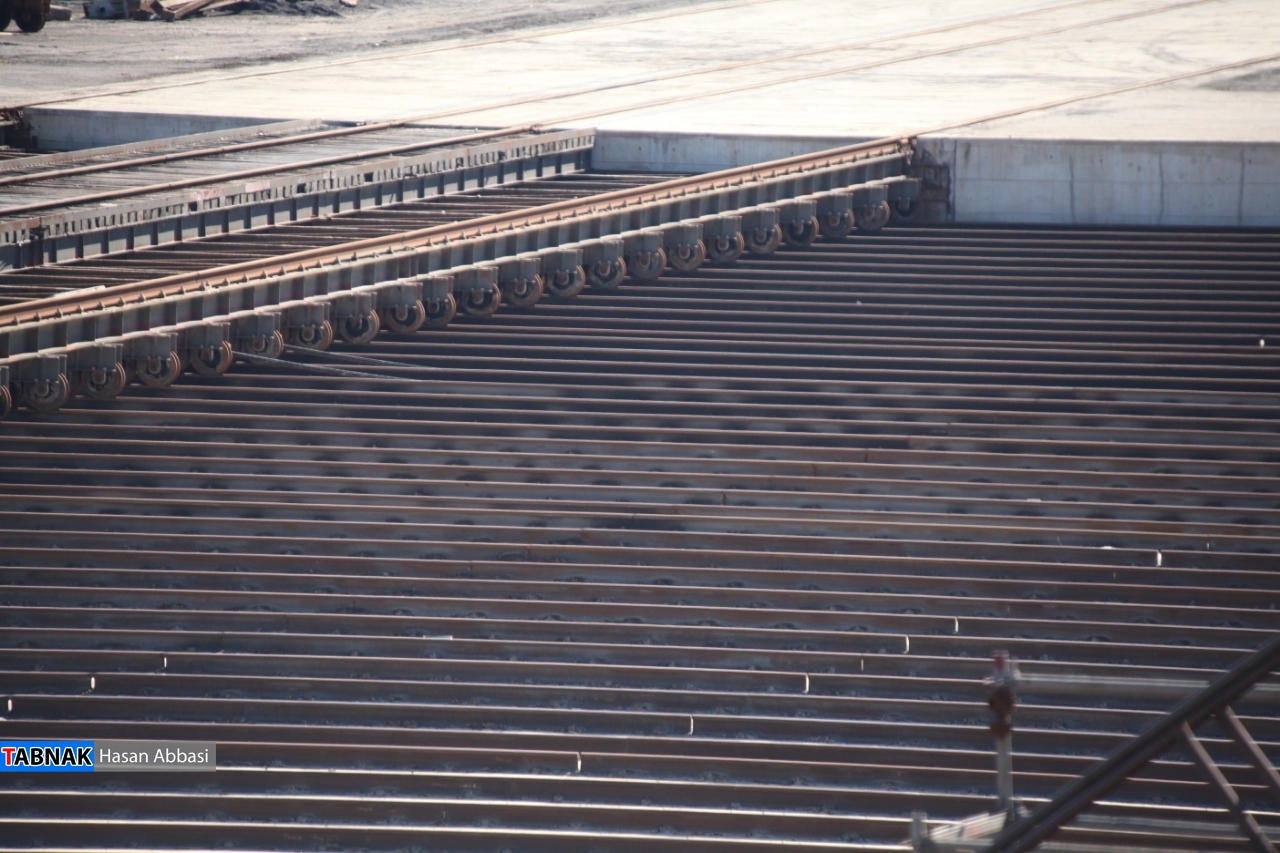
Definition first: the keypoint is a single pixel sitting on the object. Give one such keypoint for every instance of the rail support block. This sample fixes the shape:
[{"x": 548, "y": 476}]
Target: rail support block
[
  {"x": 520, "y": 279},
  {"x": 646, "y": 258},
  {"x": 257, "y": 333},
  {"x": 153, "y": 357},
  {"x": 722, "y": 237},
  {"x": 562, "y": 272},
  {"x": 605, "y": 263},
  {"x": 306, "y": 324},
  {"x": 835, "y": 214},
  {"x": 42, "y": 381},
  {"x": 354, "y": 317},
  {"x": 97, "y": 370},
  {"x": 761, "y": 229}
]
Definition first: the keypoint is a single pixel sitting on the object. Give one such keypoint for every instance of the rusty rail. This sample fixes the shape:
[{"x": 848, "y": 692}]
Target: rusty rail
[{"x": 296, "y": 261}]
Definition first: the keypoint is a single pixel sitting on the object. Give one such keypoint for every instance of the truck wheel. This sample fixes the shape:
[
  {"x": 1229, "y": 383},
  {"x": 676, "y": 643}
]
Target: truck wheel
[{"x": 30, "y": 22}]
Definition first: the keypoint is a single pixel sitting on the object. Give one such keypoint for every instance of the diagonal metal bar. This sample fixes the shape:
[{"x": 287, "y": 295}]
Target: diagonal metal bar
[
  {"x": 1025, "y": 834},
  {"x": 1229, "y": 721},
  {"x": 1219, "y": 783}
]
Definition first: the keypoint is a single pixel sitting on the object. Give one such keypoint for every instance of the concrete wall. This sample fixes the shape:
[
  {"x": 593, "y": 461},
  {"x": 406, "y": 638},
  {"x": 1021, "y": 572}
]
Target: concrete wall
[
  {"x": 1098, "y": 182},
  {"x": 1048, "y": 181},
  {"x": 62, "y": 129},
  {"x": 636, "y": 151}
]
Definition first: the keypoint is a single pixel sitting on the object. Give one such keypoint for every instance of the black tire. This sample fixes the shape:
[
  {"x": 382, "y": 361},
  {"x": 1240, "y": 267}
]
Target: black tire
[
  {"x": 30, "y": 22},
  {"x": 4, "y": 20},
  {"x": 872, "y": 219},
  {"x": 905, "y": 209}
]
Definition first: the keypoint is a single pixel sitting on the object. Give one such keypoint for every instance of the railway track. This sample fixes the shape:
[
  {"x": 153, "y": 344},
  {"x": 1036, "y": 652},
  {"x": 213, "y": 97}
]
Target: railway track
[
  {"x": 715, "y": 561},
  {"x": 40, "y": 282}
]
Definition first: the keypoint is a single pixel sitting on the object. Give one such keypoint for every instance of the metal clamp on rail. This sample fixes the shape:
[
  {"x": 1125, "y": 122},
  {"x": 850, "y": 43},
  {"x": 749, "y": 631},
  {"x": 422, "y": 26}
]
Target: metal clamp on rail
[
  {"x": 476, "y": 289},
  {"x": 152, "y": 357},
  {"x": 722, "y": 237},
  {"x": 355, "y": 317},
  {"x": 422, "y": 278},
  {"x": 398, "y": 304},
  {"x": 562, "y": 271},
  {"x": 798, "y": 218},
  {"x": 206, "y": 347},
  {"x": 520, "y": 279},
  {"x": 41, "y": 381},
  {"x": 682, "y": 243},
  {"x": 97, "y": 369},
  {"x": 646, "y": 257},
  {"x": 761, "y": 230},
  {"x": 257, "y": 333},
  {"x": 306, "y": 324},
  {"x": 604, "y": 263}
]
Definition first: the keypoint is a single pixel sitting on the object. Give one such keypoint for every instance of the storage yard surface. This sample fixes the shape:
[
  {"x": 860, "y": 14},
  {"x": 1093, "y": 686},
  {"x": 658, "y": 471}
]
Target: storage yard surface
[
  {"x": 697, "y": 527},
  {"x": 873, "y": 72}
]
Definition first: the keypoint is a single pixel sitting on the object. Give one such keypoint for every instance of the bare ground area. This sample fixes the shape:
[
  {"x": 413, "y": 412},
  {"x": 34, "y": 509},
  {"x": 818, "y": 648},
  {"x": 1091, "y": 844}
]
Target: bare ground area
[{"x": 82, "y": 55}]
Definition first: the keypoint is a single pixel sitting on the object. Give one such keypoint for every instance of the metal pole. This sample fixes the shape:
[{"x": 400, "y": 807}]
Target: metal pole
[
  {"x": 1103, "y": 778},
  {"x": 1002, "y": 702}
]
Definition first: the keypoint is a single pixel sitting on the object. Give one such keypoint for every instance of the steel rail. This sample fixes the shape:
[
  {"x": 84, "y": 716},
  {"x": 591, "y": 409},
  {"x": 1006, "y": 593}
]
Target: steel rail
[
  {"x": 140, "y": 291},
  {"x": 297, "y": 260},
  {"x": 205, "y": 180},
  {"x": 627, "y": 546}
]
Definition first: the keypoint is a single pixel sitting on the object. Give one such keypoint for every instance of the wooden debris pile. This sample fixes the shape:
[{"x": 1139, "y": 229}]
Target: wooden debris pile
[
  {"x": 160, "y": 10},
  {"x": 176, "y": 10}
]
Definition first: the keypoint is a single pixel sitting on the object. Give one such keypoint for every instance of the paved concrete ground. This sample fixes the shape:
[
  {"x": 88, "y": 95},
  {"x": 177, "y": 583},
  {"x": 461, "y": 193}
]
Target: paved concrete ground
[
  {"x": 84, "y": 55},
  {"x": 763, "y": 76},
  {"x": 1098, "y": 45}
]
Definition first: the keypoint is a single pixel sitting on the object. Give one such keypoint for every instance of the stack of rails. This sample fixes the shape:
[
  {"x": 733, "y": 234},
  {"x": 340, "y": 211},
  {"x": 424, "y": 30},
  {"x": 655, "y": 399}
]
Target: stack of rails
[
  {"x": 28, "y": 283},
  {"x": 105, "y": 201},
  {"x": 707, "y": 563},
  {"x": 51, "y": 180}
]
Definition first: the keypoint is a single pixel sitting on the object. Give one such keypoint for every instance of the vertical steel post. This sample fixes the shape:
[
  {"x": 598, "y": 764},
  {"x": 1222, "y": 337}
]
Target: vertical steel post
[{"x": 1002, "y": 702}]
